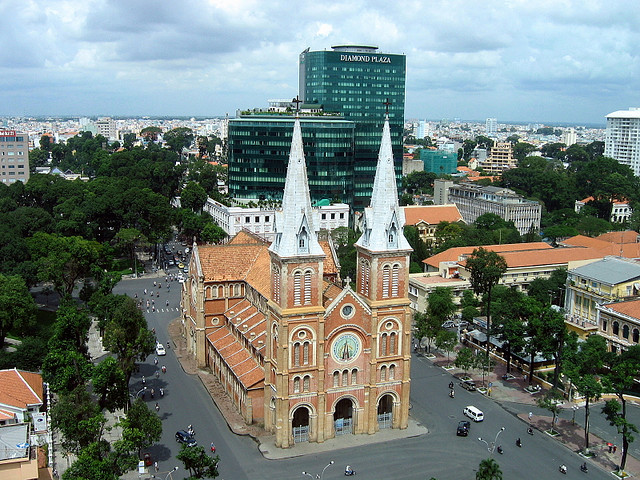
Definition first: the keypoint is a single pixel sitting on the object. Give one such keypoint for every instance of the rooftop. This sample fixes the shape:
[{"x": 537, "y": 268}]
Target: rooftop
[{"x": 610, "y": 270}]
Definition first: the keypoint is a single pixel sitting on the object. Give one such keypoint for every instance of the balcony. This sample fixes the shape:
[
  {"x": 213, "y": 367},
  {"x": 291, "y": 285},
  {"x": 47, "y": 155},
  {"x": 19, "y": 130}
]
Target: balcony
[{"x": 581, "y": 323}]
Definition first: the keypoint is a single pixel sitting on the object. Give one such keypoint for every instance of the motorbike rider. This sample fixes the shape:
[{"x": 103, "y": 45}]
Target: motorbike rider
[
  {"x": 583, "y": 467},
  {"x": 499, "y": 448},
  {"x": 518, "y": 442},
  {"x": 563, "y": 468},
  {"x": 452, "y": 393},
  {"x": 348, "y": 470}
]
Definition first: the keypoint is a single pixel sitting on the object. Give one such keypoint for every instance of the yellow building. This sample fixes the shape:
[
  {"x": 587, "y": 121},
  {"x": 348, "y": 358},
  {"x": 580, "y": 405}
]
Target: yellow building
[{"x": 619, "y": 323}]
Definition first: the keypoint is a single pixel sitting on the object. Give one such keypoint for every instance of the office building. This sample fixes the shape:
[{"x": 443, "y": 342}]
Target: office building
[
  {"x": 491, "y": 127},
  {"x": 500, "y": 159},
  {"x": 14, "y": 156},
  {"x": 360, "y": 83},
  {"x": 440, "y": 162},
  {"x": 305, "y": 356},
  {"x": 106, "y": 127},
  {"x": 423, "y": 130},
  {"x": 258, "y": 150},
  {"x": 569, "y": 137},
  {"x": 622, "y": 140},
  {"x": 474, "y": 200}
]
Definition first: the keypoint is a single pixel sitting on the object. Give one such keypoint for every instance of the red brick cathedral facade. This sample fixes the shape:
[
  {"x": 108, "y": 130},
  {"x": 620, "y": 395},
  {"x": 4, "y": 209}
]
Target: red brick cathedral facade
[{"x": 295, "y": 348}]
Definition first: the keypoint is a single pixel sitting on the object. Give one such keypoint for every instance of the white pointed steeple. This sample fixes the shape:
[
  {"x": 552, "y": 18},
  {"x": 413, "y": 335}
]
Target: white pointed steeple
[
  {"x": 384, "y": 219},
  {"x": 295, "y": 232}
]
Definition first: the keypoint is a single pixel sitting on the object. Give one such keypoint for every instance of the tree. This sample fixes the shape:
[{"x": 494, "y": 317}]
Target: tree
[
  {"x": 446, "y": 340},
  {"x": 556, "y": 341},
  {"x": 465, "y": 360},
  {"x": 65, "y": 370},
  {"x": 485, "y": 142},
  {"x": 551, "y": 401},
  {"x": 198, "y": 463},
  {"x": 440, "y": 304},
  {"x": 212, "y": 233},
  {"x": 71, "y": 329},
  {"x": 428, "y": 327},
  {"x": 92, "y": 462},
  {"x": 127, "y": 336},
  {"x": 489, "y": 470},
  {"x": 128, "y": 239},
  {"x": 619, "y": 379},
  {"x": 63, "y": 260},
  {"x": 78, "y": 418},
  {"x": 179, "y": 138},
  {"x": 522, "y": 149},
  {"x": 17, "y": 308},
  {"x": 193, "y": 197},
  {"x": 110, "y": 384},
  {"x": 510, "y": 328},
  {"x": 141, "y": 427},
  {"x": 486, "y": 268},
  {"x": 582, "y": 369}
]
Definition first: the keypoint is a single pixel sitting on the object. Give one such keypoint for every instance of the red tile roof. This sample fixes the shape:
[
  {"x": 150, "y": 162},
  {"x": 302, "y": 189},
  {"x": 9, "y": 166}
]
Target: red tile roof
[
  {"x": 431, "y": 214},
  {"x": 245, "y": 368},
  {"x": 455, "y": 253},
  {"x": 630, "y": 308},
  {"x": 20, "y": 389},
  {"x": 628, "y": 236}
]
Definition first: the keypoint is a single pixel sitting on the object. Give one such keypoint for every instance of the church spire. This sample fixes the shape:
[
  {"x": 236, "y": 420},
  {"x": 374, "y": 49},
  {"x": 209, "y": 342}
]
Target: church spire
[
  {"x": 384, "y": 219},
  {"x": 295, "y": 233}
]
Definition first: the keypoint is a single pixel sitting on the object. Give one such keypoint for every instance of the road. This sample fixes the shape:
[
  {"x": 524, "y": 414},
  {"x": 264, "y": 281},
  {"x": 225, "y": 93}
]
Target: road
[{"x": 439, "y": 454}]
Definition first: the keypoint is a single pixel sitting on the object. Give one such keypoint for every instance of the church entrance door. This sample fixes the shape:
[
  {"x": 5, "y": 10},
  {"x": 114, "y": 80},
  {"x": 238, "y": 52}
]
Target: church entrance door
[
  {"x": 300, "y": 425},
  {"x": 343, "y": 417},
  {"x": 385, "y": 412}
]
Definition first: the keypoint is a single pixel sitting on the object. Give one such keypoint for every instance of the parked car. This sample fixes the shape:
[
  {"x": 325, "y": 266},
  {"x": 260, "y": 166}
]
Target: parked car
[
  {"x": 160, "y": 349},
  {"x": 185, "y": 269},
  {"x": 184, "y": 437},
  {"x": 473, "y": 413},
  {"x": 468, "y": 385},
  {"x": 449, "y": 324},
  {"x": 181, "y": 265},
  {"x": 463, "y": 428}
]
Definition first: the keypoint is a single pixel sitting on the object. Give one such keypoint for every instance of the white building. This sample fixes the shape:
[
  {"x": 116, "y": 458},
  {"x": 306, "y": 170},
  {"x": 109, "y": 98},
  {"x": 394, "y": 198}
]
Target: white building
[
  {"x": 423, "y": 129},
  {"x": 260, "y": 220},
  {"x": 106, "y": 127},
  {"x": 569, "y": 137},
  {"x": 620, "y": 210},
  {"x": 491, "y": 126},
  {"x": 622, "y": 140}
]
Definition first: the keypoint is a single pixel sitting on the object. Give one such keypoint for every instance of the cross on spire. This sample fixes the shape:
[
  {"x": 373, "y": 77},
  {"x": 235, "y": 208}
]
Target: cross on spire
[
  {"x": 386, "y": 103},
  {"x": 297, "y": 101}
]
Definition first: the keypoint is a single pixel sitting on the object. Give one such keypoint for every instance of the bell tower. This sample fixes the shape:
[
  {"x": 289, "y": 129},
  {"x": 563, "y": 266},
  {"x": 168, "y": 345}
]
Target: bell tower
[
  {"x": 382, "y": 280},
  {"x": 293, "y": 362}
]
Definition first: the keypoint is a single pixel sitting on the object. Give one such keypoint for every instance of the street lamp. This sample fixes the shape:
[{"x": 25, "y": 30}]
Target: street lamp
[
  {"x": 492, "y": 447},
  {"x": 169, "y": 473},
  {"x": 141, "y": 390},
  {"x": 321, "y": 475},
  {"x": 573, "y": 418}
]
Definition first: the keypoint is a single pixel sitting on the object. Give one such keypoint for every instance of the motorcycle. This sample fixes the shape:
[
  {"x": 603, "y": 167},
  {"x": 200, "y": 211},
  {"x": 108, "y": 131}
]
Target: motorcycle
[
  {"x": 563, "y": 469},
  {"x": 348, "y": 471},
  {"x": 452, "y": 394},
  {"x": 530, "y": 431},
  {"x": 518, "y": 443},
  {"x": 500, "y": 451},
  {"x": 584, "y": 468}
]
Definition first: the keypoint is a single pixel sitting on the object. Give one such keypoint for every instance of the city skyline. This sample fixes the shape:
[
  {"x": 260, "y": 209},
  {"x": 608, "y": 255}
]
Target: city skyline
[{"x": 573, "y": 62}]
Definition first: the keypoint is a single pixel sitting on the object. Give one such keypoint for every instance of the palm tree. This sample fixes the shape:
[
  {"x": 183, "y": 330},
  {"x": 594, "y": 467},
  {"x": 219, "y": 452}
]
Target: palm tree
[{"x": 489, "y": 470}]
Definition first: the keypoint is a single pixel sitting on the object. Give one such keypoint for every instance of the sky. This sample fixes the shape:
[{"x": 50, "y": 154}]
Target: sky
[{"x": 516, "y": 60}]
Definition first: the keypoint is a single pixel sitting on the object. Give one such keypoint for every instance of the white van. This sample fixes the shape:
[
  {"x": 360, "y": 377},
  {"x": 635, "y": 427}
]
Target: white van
[{"x": 473, "y": 413}]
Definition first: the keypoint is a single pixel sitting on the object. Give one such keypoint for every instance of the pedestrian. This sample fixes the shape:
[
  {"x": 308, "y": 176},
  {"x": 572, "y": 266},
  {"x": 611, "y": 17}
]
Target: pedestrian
[
  {"x": 167, "y": 303},
  {"x": 155, "y": 360},
  {"x": 615, "y": 447},
  {"x": 55, "y": 473},
  {"x": 610, "y": 445},
  {"x": 155, "y": 466}
]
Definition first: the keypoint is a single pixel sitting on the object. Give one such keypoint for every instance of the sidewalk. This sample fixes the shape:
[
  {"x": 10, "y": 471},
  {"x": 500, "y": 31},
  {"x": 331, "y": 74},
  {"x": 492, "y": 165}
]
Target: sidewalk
[{"x": 572, "y": 435}]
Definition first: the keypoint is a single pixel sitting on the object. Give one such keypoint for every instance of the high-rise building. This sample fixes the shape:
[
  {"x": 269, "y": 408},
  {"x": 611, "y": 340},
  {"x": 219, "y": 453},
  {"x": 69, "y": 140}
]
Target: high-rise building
[
  {"x": 569, "y": 137},
  {"x": 423, "y": 129},
  {"x": 106, "y": 127},
  {"x": 361, "y": 84},
  {"x": 258, "y": 151},
  {"x": 438, "y": 161},
  {"x": 491, "y": 126},
  {"x": 622, "y": 140},
  {"x": 14, "y": 156},
  {"x": 500, "y": 159}
]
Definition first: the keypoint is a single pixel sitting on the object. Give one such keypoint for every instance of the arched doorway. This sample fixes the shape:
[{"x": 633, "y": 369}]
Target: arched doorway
[
  {"x": 300, "y": 425},
  {"x": 385, "y": 411},
  {"x": 343, "y": 417}
]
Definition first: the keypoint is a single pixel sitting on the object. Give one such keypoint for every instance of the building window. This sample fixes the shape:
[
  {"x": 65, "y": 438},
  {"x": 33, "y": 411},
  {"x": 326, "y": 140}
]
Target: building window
[
  {"x": 385, "y": 281},
  {"x": 625, "y": 332},
  {"x": 604, "y": 325},
  {"x": 345, "y": 378},
  {"x": 635, "y": 335},
  {"x": 616, "y": 328},
  {"x": 247, "y": 219},
  {"x": 354, "y": 376},
  {"x": 296, "y": 385},
  {"x": 395, "y": 280},
  {"x": 276, "y": 285},
  {"x": 305, "y": 353},
  {"x": 392, "y": 343},
  {"x": 383, "y": 373},
  {"x": 307, "y": 287},
  {"x": 296, "y": 354},
  {"x": 336, "y": 379},
  {"x": 297, "y": 279},
  {"x": 365, "y": 270},
  {"x": 306, "y": 383},
  {"x": 257, "y": 219},
  {"x": 392, "y": 372},
  {"x": 383, "y": 345}
]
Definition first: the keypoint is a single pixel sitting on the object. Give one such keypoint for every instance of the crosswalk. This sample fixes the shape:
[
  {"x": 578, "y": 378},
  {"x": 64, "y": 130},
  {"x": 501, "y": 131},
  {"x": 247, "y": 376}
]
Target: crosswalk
[{"x": 160, "y": 310}]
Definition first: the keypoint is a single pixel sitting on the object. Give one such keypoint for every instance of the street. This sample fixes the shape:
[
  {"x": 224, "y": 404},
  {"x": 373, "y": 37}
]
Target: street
[{"x": 440, "y": 454}]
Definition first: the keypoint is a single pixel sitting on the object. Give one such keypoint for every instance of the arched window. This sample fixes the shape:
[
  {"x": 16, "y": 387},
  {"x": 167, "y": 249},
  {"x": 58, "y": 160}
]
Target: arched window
[
  {"x": 237, "y": 290},
  {"x": 392, "y": 343},
  {"x": 296, "y": 354},
  {"x": 305, "y": 353},
  {"x": 392, "y": 372},
  {"x": 307, "y": 287},
  {"x": 296, "y": 385},
  {"x": 625, "y": 332},
  {"x": 386, "y": 272},
  {"x": 336, "y": 379},
  {"x": 354, "y": 376},
  {"x": 275, "y": 281},
  {"x": 345, "y": 378},
  {"x": 365, "y": 270},
  {"x": 395, "y": 280},
  {"x": 297, "y": 278},
  {"x": 635, "y": 335},
  {"x": 383, "y": 373},
  {"x": 306, "y": 383},
  {"x": 383, "y": 345},
  {"x": 616, "y": 328}
]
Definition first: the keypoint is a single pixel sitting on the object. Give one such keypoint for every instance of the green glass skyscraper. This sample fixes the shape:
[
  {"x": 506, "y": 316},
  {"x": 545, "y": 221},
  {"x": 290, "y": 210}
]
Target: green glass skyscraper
[{"x": 361, "y": 84}]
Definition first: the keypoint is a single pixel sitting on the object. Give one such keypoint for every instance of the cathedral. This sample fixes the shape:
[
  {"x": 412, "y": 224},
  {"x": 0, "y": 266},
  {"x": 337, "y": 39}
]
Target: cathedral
[{"x": 297, "y": 349}]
